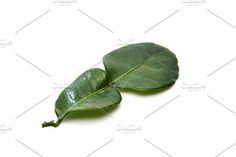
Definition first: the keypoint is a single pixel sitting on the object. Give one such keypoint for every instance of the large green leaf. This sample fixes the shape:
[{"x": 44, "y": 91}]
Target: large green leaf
[
  {"x": 141, "y": 67},
  {"x": 90, "y": 91}
]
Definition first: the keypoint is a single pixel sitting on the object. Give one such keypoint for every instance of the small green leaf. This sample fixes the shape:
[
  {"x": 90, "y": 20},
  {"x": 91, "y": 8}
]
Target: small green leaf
[
  {"x": 90, "y": 91},
  {"x": 141, "y": 67}
]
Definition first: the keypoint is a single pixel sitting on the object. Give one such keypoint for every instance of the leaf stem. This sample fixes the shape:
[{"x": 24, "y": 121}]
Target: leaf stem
[{"x": 51, "y": 123}]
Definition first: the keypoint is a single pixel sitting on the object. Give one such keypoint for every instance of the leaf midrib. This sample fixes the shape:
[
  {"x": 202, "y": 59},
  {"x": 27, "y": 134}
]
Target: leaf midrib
[
  {"x": 110, "y": 84},
  {"x": 77, "y": 102},
  {"x": 137, "y": 66}
]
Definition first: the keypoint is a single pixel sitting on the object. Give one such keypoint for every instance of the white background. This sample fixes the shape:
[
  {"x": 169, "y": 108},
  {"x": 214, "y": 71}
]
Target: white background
[{"x": 46, "y": 44}]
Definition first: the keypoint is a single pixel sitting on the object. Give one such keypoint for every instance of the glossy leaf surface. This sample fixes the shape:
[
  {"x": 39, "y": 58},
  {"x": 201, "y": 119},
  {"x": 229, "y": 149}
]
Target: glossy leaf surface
[
  {"x": 141, "y": 67},
  {"x": 90, "y": 91}
]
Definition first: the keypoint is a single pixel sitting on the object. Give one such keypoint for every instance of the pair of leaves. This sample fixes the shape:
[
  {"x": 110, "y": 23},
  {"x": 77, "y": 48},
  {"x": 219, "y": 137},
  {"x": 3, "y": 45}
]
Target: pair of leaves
[{"x": 141, "y": 67}]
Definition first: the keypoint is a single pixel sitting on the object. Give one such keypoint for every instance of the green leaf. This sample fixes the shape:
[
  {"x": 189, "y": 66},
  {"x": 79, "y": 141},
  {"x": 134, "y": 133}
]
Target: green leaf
[
  {"x": 90, "y": 91},
  {"x": 141, "y": 67}
]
